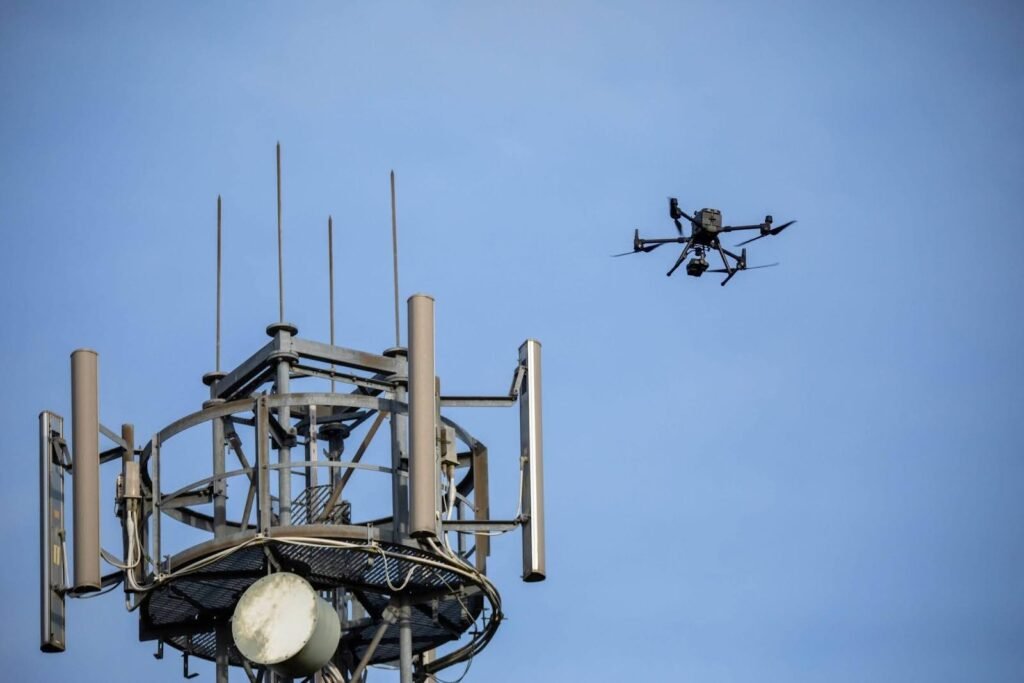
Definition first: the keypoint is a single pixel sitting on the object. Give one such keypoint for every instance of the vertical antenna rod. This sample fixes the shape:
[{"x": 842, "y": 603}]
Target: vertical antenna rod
[
  {"x": 330, "y": 276},
  {"x": 394, "y": 254},
  {"x": 217, "y": 364},
  {"x": 280, "y": 262}
]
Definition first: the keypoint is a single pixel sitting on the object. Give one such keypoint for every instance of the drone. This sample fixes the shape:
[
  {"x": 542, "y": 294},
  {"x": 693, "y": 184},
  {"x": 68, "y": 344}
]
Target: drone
[{"x": 706, "y": 227}]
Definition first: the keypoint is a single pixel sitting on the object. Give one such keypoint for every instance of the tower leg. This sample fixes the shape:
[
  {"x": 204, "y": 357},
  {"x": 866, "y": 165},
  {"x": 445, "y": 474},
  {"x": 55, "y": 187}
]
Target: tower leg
[
  {"x": 222, "y": 655},
  {"x": 405, "y": 643}
]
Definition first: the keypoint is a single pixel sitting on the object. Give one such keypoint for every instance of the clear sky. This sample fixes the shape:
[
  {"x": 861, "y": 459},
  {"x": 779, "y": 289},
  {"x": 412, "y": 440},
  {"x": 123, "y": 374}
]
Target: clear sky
[{"x": 809, "y": 475}]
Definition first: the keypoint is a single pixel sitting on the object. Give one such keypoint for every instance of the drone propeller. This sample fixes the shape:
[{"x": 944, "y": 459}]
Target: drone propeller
[
  {"x": 745, "y": 267},
  {"x": 776, "y": 231},
  {"x": 765, "y": 231},
  {"x": 639, "y": 246},
  {"x": 644, "y": 249},
  {"x": 676, "y": 213}
]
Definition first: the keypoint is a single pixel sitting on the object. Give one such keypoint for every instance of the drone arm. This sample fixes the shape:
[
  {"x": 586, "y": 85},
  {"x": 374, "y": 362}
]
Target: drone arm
[
  {"x": 687, "y": 217},
  {"x": 767, "y": 230},
  {"x": 644, "y": 246},
  {"x": 731, "y": 228}
]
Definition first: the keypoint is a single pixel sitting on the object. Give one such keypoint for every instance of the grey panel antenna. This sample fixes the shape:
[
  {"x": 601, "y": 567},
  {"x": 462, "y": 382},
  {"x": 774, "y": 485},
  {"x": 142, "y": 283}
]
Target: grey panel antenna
[
  {"x": 52, "y": 567},
  {"x": 85, "y": 472}
]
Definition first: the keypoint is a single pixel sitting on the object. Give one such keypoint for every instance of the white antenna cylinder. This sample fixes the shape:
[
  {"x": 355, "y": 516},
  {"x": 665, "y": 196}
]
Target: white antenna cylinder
[
  {"x": 422, "y": 418},
  {"x": 85, "y": 470},
  {"x": 532, "y": 452}
]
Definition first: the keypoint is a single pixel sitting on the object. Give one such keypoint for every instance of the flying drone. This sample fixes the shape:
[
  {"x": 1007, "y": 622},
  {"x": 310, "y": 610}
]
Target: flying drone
[{"x": 706, "y": 227}]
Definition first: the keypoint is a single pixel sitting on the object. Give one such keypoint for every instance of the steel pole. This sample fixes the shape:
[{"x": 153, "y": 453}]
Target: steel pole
[
  {"x": 405, "y": 643},
  {"x": 399, "y": 449},
  {"x": 220, "y": 486},
  {"x": 222, "y": 663},
  {"x": 387, "y": 618},
  {"x": 220, "y": 494},
  {"x": 283, "y": 332},
  {"x": 284, "y": 454}
]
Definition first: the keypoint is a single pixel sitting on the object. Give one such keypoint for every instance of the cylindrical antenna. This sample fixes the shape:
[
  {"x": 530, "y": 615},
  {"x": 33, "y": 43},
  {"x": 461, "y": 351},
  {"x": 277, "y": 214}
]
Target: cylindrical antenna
[
  {"x": 217, "y": 364},
  {"x": 394, "y": 254},
  {"x": 422, "y": 418},
  {"x": 280, "y": 260},
  {"x": 330, "y": 276},
  {"x": 85, "y": 475}
]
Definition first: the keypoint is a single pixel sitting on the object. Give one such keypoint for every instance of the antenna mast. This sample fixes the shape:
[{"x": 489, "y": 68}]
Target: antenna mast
[
  {"x": 217, "y": 364},
  {"x": 330, "y": 275},
  {"x": 394, "y": 254},
  {"x": 280, "y": 261}
]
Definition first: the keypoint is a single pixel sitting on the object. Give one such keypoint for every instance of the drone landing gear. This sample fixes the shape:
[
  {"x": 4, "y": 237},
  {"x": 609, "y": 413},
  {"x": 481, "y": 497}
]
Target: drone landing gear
[
  {"x": 696, "y": 266},
  {"x": 682, "y": 257}
]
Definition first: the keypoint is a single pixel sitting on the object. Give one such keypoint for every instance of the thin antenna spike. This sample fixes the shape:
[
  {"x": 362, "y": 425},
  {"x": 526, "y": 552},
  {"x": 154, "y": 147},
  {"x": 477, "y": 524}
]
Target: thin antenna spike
[
  {"x": 280, "y": 259},
  {"x": 330, "y": 275},
  {"x": 217, "y": 364},
  {"x": 394, "y": 254}
]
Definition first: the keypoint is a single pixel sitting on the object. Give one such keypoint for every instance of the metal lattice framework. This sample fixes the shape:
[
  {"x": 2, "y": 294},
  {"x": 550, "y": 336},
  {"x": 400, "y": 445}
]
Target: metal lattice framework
[{"x": 402, "y": 588}]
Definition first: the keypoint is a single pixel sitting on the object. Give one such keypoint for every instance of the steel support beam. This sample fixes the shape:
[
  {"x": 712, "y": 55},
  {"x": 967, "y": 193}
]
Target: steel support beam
[
  {"x": 226, "y": 386},
  {"x": 337, "y": 355}
]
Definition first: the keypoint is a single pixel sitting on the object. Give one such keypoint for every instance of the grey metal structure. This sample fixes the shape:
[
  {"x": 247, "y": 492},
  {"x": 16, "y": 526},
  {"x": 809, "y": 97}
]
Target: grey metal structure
[{"x": 391, "y": 527}]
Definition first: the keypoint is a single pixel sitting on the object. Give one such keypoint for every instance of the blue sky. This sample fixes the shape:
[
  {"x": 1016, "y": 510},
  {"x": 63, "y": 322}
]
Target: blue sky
[{"x": 811, "y": 474}]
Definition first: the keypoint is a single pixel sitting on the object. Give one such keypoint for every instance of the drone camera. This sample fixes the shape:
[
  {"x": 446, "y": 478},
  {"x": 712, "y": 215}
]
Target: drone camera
[{"x": 696, "y": 266}]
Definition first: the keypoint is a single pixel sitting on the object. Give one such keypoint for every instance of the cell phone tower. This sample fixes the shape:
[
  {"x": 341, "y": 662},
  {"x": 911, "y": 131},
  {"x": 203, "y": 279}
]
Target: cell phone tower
[{"x": 301, "y": 562}]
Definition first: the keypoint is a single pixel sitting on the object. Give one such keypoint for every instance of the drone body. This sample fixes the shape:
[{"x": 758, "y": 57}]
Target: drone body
[{"x": 706, "y": 226}]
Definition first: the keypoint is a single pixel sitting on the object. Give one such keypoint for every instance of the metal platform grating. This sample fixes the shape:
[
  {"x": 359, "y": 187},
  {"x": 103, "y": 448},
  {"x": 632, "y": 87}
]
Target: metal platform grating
[{"x": 185, "y": 610}]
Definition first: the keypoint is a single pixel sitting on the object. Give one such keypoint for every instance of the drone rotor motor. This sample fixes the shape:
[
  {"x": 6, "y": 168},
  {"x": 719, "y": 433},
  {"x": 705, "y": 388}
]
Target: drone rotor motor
[{"x": 673, "y": 209}]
